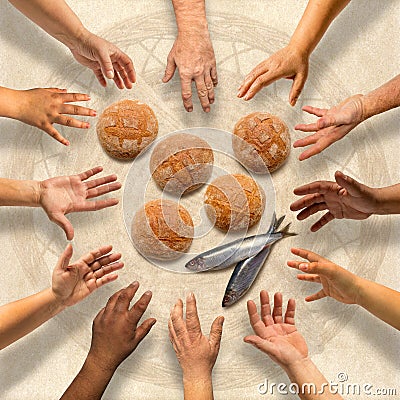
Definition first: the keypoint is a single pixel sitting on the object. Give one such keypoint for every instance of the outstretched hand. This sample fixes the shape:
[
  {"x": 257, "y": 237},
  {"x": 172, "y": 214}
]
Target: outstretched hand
[
  {"x": 71, "y": 283},
  {"x": 66, "y": 194},
  {"x": 345, "y": 198},
  {"x": 105, "y": 59},
  {"x": 275, "y": 335},
  {"x": 288, "y": 63},
  {"x": 333, "y": 125},
  {"x": 336, "y": 282}
]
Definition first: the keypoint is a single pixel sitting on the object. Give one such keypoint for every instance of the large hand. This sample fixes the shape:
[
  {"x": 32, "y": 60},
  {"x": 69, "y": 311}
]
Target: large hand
[
  {"x": 65, "y": 194},
  {"x": 333, "y": 125},
  {"x": 115, "y": 332},
  {"x": 345, "y": 198},
  {"x": 288, "y": 62},
  {"x": 336, "y": 282},
  {"x": 44, "y": 107},
  {"x": 196, "y": 353},
  {"x": 105, "y": 59},
  {"x": 275, "y": 336},
  {"x": 72, "y": 283},
  {"x": 194, "y": 57}
]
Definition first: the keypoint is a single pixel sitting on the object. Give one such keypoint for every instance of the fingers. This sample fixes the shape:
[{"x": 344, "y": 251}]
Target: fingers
[
  {"x": 353, "y": 187},
  {"x": 143, "y": 330},
  {"x": 104, "y": 59},
  {"x": 328, "y": 217},
  {"x": 110, "y": 306},
  {"x": 104, "y": 189},
  {"x": 316, "y": 296},
  {"x": 307, "y": 201},
  {"x": 298, "y": 85},
  {"x": 307, "y": 212},
  {"x": 125, "y": 298},
  {"x": 77, "y": 110},
  {"x": 261, "y": 344},
  {"x": 266, "y": 308},
  {"x": 89, "y": 258},
  {"x": 139, "y": 308},
  {"x": 260, "y": 69},
  {"x": 309, "y": 278},
  {"x": 319, "y": 112},
  {"x": 307, "y": 254},
  {"x": 169, "y": 70},
  {"x": 255, "y": 321},
  {"x": 120, "y": 71},
  {"x": 321, "y": 187},
  {"x": 216, "y": 333},
  {"x": 103, "y": 261},
  {"x": 100, "y": 77},
  {"x": 112, "y": 267},
  {"x": 290, "y": 312},
  {"x": 125, "y": 63},
  {"x": 178, "y": 324},
  {"x": 214, "y": 75},
  {"x": 186, "y": 89},
  {"x": 328, "y": 120},
  {"x": 260, "y": 82},
  {"x": 210, "y": 87},
  {"x": 118, "y": 81},
  {"x": 277, "y": 313},
  {"x": 202, "y": 92},
  {"x": 87, "y": 174},
  {"x": 192, "y": 319},
  {"x": 65, "y": 257},
  {"x": 309, "y": 139},
  {"x": 98, "y": 204},
  {"x": 71, "y": 122},
  {"x": 53, "y": 132},
  {"x": 74, "y": 97},
  {"x": 62, "y": 221}
]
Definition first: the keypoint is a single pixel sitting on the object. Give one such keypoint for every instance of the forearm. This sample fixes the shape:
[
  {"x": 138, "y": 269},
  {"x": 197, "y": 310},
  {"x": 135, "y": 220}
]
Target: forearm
[
  {"x": 388, "y": 200},
  {"x": 55, "y": 17},
  {"x": 382, "y": 99},
  {"x": 198, "y": 388},
  {"x": 10, "y": 102},
  {"x": 315, "y": 21},
  {"x": 380, "y": 301},
  {"x": 90, "y": 383},
  {"x": 19, "y": 193},
  {"x": 21, "y": 317},
  {"x": 311, "y": 383},
  {"x": 190, "y": 16}
]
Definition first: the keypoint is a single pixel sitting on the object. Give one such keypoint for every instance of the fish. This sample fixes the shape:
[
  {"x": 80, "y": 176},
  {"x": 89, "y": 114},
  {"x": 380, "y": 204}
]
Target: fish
[
  {"x": 231, "y": 253},
  {"x": 244, "y": 275}
]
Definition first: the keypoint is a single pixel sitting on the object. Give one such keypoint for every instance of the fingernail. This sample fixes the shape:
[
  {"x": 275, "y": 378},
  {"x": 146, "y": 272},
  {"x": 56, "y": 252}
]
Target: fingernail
[
  {"x": 94, "y": 113},
  {"x": 87, "y": 126},
  {"x": 303, "y": 266},
  {"x": 207, "y": 110},
  {"x": 190, "y": 296},
  {"x": 110, "y": 74},
  {"x": 148, "y": 293},
  {"x": 134, "y": 284},
  {"x": 153, "y": 322},
  {"x": 190, "y": 109}
]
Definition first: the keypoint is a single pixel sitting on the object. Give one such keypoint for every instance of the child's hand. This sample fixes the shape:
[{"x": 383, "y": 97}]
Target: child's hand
[
  {"x": 336, "y": 282},
  {"x": 44, "y": 107}
]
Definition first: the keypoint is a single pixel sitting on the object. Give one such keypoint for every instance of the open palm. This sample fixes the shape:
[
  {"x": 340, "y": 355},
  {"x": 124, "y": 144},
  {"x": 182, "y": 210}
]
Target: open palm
[
  {"x": 275, "y": 335},
  {"x": 72, "y": 283},
  {"x": 65, "y": 194}
]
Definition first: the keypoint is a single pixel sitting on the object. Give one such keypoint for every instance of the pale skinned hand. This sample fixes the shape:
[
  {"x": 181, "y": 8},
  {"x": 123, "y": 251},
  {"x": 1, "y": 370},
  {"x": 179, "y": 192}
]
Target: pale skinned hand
[
  {"x": 288, "y": 62},
  {"x": 115, "y": 331},
  {"x": 193, "y": 55},
  {"x": 71, "y": 283},
  {"x": 66, "y": 194},
  {"x": 105, "y": 59},
  {"x": 196, "y": 352},
  {"x": 44, "y": 107},
  {"x": 336, "y": 282},
  {"x": 275, "y": 335},
  {"x": 333, "y": 125},
  {"x": 345, "y": 198}
]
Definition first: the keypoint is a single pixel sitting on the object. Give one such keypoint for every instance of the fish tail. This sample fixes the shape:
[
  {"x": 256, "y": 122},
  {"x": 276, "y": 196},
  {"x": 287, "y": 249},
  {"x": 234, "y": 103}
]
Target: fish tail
[
  {"x": 285, "y": 231},
  {"x": 277, "y": 223}
]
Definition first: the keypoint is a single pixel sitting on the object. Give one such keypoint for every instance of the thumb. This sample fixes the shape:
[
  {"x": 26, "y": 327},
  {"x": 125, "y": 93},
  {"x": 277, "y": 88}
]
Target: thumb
[
  {"x": 105, "y": 63},
  {"x": 298, "y": 85},
  {"x": 261, "y": 344},
  {"x": 353, "y": 187},
  {"x": 169, "y": 70},
  {"x": 216, "y": 332},
  {"x": 65, "y": 257},
  {"x": 62, "y": 221}
]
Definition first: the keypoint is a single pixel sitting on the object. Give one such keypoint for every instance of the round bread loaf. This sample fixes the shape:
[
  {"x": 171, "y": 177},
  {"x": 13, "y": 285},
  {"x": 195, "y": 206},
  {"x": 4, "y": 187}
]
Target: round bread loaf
[
  {"x": 261, "y": 142},
  {"x": 126, "y": 127},
  {"x": 234, "y": 202},
  {"x": 181, "y": 163},
  {"x": 162, "y": 230}
]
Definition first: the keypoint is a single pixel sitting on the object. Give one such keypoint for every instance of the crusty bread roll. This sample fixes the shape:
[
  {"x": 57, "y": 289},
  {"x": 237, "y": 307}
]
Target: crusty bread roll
[
  {"x": 181, "y": 163},
  {"x": 234, "y": 202},
  {"x": 261, "y": 142},
  {"x": 162, "y": 230},
  {"x": 126, "y": 128}
]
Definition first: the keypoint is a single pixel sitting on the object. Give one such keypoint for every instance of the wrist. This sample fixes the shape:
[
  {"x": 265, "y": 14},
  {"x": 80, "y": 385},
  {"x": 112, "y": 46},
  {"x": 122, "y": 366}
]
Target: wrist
[
  {"x": 298, "y": 46},
  {"x": 101, "y": 362},
  {"x": 298, "y": 366},
  {"x": 11, "y": 102},
  {"x": 55, "y": 304},
  {"x": 75, "y": 40},
  {"x": 197, "y": 376}
]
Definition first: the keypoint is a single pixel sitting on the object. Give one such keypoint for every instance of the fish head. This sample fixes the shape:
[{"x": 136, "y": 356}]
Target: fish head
[
  {"x": 230, "y": 297},
  {"x": 197, "y": 264}
]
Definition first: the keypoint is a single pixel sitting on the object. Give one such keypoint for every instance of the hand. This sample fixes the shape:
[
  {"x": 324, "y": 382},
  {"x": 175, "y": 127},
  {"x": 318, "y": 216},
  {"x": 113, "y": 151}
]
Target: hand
[
  {"x": 288, "y": 63},
  {"x": 275, "y": 336},
  {"x": 193, "y": 54},
  {"x": 336, "y": 282},
  {"x": 65, "y": 194},
  {"x": 72, "y": 283},
  {"x": 44, "y": 107},
  {"x": 333, "y": 125},
  {"x": 346, "y": 198},
  {"x": 115, "y": 332},
  {"x": 105, "y": 60},
  {"x": 196, "y": 353}
]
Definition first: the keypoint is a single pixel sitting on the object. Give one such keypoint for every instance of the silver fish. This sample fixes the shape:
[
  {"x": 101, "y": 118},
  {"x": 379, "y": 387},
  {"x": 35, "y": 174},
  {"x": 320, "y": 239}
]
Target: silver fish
[
  {"x": 240, "y": 249},
  {"x": 244, "y": 275}
]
